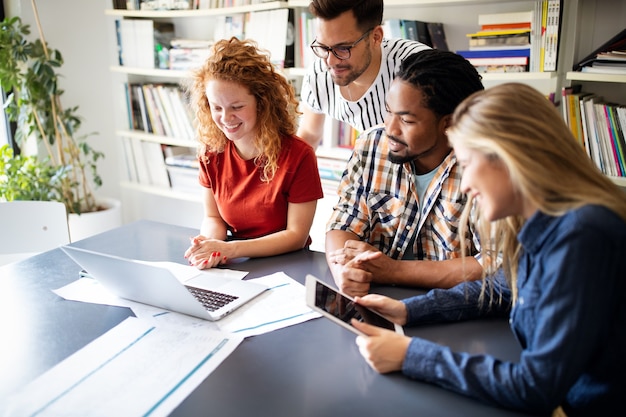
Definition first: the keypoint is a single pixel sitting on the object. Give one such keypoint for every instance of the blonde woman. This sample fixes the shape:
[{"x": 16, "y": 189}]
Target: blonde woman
[
  {"x": 559, "y": 226},
  {"x": 261, "y": 182}
]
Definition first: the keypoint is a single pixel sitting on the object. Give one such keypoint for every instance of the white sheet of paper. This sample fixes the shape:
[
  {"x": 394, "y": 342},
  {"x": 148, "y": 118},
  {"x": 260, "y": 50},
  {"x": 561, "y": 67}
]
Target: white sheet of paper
[
  {"x": 281, "y": 306},
  {"x": 135, "y": 369},
  {"x": 185, "y": 272}
]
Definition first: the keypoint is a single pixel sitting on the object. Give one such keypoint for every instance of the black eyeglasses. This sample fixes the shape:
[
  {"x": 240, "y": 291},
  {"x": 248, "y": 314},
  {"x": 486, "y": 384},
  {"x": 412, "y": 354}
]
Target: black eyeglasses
[{"x": 341, "y": 52}]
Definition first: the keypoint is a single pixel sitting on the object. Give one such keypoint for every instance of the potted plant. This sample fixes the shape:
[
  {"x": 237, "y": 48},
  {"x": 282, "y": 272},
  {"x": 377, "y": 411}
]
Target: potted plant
[
  {"x": 25, "y": 177},
  {"x": 28, "y": 74}
]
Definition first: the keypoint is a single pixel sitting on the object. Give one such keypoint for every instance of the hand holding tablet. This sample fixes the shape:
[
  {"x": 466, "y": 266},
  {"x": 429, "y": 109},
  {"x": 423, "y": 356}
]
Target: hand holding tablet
[{"x": 341, "y": 308}]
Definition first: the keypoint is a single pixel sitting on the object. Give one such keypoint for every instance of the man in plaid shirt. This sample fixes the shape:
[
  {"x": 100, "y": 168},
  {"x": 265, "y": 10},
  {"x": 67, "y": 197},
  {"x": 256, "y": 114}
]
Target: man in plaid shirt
[{"x": 400, "y": 199}]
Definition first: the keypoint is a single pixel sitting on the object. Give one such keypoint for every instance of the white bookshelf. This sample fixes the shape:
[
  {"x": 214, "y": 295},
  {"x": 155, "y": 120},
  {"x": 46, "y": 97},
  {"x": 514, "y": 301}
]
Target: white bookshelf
[{"x": 459, "y": 18}]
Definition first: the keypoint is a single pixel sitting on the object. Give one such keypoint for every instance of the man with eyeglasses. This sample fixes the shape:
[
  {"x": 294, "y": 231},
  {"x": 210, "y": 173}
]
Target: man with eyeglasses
[{"x": 356, "y": 64}]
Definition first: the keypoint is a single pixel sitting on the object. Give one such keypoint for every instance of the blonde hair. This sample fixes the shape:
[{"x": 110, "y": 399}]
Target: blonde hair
[
  {"x": 243, "y": 63},
  {"x": 517, "y": 125}
]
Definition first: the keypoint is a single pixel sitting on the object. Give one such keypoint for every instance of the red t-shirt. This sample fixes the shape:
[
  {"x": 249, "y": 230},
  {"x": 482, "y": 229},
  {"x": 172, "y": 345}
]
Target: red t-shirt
[{"x": 250, "y": 207}]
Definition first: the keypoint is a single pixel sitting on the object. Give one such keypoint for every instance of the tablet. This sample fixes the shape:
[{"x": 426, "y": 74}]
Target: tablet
[{"x": 341, "y": 308}]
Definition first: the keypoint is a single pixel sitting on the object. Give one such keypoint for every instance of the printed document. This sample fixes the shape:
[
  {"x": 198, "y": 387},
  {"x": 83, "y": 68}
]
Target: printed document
[{"x": 135, "y": 369}]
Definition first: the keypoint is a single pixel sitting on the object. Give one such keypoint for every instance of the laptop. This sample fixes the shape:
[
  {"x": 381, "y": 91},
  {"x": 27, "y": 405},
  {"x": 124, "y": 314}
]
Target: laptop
[{"x": 204, "y": 296}]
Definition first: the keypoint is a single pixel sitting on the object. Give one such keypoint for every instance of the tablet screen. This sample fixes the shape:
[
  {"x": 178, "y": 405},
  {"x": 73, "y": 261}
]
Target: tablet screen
[{"x": 345, "y": 309}]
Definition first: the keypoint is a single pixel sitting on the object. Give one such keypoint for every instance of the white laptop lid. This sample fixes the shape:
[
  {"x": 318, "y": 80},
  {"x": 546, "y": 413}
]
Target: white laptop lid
[{"x": 157, "y": 286}]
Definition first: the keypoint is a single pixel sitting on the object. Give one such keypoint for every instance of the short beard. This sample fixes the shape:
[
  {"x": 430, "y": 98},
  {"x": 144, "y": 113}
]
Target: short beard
[
  {"x": 355, "y": 73},
  {"x": 399, "y": 159}
]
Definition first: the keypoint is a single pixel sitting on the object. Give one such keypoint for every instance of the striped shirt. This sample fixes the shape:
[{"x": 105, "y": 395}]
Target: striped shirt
[
  {"x": 323, "y": 96},
  {"x": 378, "y": 201}
]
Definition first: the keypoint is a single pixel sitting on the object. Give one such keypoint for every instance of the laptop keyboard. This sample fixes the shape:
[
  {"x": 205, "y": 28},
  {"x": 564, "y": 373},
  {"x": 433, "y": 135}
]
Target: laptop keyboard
[{"x": 211, "y": 300}]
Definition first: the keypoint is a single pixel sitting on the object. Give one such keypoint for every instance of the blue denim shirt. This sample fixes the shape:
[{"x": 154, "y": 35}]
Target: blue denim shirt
[{"x": 570, "y": 319}]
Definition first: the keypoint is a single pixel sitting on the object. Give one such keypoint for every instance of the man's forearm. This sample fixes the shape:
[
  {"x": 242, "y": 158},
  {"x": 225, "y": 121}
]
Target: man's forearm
[{"x": 430, "y": 274}]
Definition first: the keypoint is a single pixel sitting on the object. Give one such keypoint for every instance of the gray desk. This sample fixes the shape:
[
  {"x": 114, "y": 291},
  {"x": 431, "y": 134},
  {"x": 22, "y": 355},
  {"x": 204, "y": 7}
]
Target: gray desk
[{"x": 312, "y": 369}]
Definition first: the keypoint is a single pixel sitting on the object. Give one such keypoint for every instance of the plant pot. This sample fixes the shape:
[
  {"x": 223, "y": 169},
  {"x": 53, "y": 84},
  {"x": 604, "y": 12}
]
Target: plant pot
[{"x": 89, "y": 224}]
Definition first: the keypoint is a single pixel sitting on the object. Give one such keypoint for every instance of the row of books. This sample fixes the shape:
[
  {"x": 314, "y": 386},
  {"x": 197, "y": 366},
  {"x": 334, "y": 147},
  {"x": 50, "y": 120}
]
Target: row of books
[
  {"x": 273, "y": 31},
  {"x": 162, "y": 166},
  {"x": 306, "y": 37},
  {"x": 180, "y": 4},
  {"x": 160, "y": 109},
  {"x": 600, "y": 128},
  {"x": 216, "y": 4},
  {"x": 517, "y": 41},
  {"x": 428, "y": 33},
  {"x": 338, "y": 134},
  {"x": 144, "y": 43},
  {"x": 153, "y": 4}
]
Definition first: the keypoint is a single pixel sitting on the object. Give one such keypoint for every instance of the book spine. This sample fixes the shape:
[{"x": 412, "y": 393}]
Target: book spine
[
  {"x": 620, "y": 113},
  {"x": 499, "y": 53},
  {"x": 500, "y": 18},
  {"x": 608, "y": 166},
  {"x": 552, "y": 35},
  {"x": 498, "y": 61},
  {"x": 161, "y": 92},
  {"x": 594, "y": 140},
  {"x": 153, "y": 114}
]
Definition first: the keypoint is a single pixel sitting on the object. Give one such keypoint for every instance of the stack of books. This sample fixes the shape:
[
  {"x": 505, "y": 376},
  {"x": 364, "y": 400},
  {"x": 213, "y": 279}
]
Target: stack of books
[
  {"x": 182, "y": 167},
  {"x": 503, "y": 43},
  {"x": 152, "y": 4},
  {"x": 516, "y": 41},
  {"x": 216, "y": 4},
  {"x": 609, "y": 58},
  {"x": 187, "y": 54}
]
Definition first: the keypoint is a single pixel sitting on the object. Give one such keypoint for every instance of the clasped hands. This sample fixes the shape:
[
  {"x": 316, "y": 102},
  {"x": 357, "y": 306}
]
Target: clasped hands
[
  {"x": 356, "y": 264},
  {"x": 206, "y": 253}
]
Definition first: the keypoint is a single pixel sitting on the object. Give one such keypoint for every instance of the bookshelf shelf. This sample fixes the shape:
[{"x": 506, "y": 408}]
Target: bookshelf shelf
[
  {"x": 519, "y": 76},
  {"x": 407, "y": 3},
  {"x": 160, "y": 14},
  {"x": 621, "y": 181},
  {"x": 163, "y": 192},
  {"x": 148, "y": 137},
  {"x": 602, "y": 78},
  {"x": 299, "y": 72},
  {"x": 333, "y": 153},
  {"x": 150, "y": 72}
]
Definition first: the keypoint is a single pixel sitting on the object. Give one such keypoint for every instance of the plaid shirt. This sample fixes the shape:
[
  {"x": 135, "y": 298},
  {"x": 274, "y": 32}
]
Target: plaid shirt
[{"x": 379, "y": 203}]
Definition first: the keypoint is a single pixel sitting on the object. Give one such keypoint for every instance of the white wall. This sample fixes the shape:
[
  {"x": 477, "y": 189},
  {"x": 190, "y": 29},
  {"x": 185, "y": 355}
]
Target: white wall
[{"x": 83, "y": 34}]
